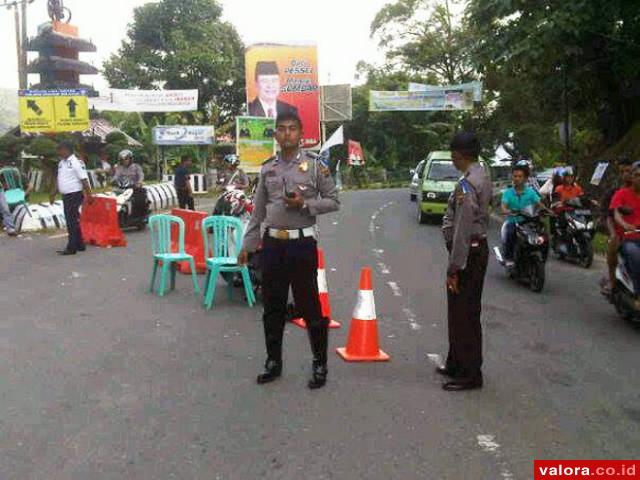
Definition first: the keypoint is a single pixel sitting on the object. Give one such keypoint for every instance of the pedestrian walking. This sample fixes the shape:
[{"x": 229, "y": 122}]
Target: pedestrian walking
[
  {"x": 182, "y": 183},
  {"x": 465, "y": 232},
  {"x": 71, "y": 181},
  {"x": 293, "y": 189}
]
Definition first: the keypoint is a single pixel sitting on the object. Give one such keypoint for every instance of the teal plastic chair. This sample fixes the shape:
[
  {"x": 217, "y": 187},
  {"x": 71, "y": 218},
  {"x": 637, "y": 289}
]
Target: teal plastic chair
[
  {"x": 221, "y": 233},
  {"x": 160, "y": 227},
  {"x": 14, "y": 193}
]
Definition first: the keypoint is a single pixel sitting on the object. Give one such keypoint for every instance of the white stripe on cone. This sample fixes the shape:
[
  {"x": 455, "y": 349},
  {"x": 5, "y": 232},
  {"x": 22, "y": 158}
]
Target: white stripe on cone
[
  {"x": 365, "y": 308},
  {"x": 322, "y": 281}
]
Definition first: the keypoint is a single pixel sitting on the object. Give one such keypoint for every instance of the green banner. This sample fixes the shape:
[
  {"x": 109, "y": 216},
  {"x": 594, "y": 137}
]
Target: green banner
[{"x": 255, "y": 141}]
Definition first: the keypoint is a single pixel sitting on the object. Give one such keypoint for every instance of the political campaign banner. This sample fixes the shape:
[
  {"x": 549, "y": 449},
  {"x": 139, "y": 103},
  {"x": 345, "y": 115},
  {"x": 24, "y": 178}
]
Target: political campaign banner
[
  {"x": 158, "y": 101},
  {"x": 426, "y": 98},
  {"x": 52, "y": 111},
  {"x": 255, "y": 141},
  {"x": 356, "y": 155},
  {"x": 284, "y": 78},
  {"x": 183, "y": 135}
]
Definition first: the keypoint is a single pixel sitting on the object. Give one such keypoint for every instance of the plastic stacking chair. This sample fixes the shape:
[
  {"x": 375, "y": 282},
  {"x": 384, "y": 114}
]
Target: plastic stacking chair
[
  {"x": 14, "y": 193},
  {"x": 220, "y": 233},
  {"x": 160, "y": 227}
]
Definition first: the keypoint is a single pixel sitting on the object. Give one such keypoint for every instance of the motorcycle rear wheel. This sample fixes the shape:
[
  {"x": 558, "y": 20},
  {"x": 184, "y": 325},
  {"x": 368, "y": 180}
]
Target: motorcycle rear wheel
[{"x": 587, "y": 259}]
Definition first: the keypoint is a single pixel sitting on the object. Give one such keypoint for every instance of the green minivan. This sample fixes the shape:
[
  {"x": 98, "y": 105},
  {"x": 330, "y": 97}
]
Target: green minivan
[{"x": 439, "y": 178}]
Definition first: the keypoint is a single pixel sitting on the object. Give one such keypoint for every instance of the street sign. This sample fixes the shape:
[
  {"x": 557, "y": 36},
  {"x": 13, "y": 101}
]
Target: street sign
[
  {"x": 72, "y": 113},
  {"x": 48, "y": 111},
  {"x": 36, "y": 114}
]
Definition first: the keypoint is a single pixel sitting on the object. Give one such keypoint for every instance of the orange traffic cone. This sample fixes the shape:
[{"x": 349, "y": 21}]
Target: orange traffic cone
[
  {"x": 323, "y": 291},
  {"x": 362, "y": 344}
]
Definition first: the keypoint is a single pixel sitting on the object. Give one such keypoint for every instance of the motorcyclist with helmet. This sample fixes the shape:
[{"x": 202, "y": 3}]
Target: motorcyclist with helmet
[
  {"x": 233, "y": 176},
  {"x": 127, "y": 170}
]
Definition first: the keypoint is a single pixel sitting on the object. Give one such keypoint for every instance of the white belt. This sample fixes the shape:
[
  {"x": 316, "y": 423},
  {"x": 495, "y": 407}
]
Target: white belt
[{"x": 291, "y": 234}]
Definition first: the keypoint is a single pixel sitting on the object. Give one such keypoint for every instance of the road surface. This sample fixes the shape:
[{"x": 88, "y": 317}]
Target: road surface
[{"x": 102, "y": 380}]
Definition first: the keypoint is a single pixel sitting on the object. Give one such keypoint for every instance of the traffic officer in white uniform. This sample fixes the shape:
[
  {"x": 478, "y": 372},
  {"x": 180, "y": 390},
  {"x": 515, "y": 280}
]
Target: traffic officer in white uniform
[
  {"x": 71, "y": 180},
  {"x": 293, "y": 189}
]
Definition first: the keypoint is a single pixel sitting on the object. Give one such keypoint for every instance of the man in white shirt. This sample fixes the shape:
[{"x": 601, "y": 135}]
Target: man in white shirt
[{"x": 71, "y": 180}]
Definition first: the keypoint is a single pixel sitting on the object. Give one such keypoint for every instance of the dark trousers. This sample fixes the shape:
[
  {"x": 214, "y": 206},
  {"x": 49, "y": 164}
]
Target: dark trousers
[
  {"x": 72, "y": 203},
  {"x": 292, "y": 263},
  {"x": 185, "y": 200},
  {"x": 508, "y": 234},
  {"x": 631, "y": 255},
  {"x": 464, "y": 308}
]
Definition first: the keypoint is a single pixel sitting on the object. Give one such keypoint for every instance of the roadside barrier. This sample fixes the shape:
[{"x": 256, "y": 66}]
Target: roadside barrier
[
  {"x": 193, "y": 240},
  {"x": 99, "y": 223}
]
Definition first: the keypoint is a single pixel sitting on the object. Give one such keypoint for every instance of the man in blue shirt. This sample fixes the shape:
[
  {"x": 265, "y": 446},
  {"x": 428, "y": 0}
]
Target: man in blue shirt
[{"x": 514, "y": 199}]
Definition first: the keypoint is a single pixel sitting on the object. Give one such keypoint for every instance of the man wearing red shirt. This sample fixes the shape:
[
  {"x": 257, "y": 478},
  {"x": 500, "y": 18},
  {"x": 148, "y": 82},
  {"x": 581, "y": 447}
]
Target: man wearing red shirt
[{"x": 626, "y": 223}]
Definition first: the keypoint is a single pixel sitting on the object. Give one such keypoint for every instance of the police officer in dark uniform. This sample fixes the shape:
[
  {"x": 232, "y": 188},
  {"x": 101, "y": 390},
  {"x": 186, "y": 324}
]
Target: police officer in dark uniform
[
  {"x": 465, "y": 231},
  {"x": 293, "y": 189}
]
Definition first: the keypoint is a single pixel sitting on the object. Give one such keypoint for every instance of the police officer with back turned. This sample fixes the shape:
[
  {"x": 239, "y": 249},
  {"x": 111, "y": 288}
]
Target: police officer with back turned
[
  {"x": 465, "y": 232},
  {"x": 293, "y": 189}
]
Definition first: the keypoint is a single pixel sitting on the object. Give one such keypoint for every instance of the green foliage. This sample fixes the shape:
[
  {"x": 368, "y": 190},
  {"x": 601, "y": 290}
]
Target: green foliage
[
  {"x": 182, "y": 44},
  {"x": 10, "y": 148}
]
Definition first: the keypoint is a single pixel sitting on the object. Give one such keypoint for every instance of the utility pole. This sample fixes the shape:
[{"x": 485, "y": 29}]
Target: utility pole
[{"x": 20, "y": 10}]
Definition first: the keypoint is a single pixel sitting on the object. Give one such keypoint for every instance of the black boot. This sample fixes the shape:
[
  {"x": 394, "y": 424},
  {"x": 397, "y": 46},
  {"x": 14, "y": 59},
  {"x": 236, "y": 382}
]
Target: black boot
[
  {"x": 272, "y": 370},
  {"x": 319, "y": 338},
  {"x": 319, "y": 377}
]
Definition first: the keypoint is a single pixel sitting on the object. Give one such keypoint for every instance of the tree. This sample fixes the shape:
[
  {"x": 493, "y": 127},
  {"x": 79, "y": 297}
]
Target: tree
[
  {"x": 183, "y": 44},
  {"x": 425, "y": 38},
  {"x": 585, "y": 49}
]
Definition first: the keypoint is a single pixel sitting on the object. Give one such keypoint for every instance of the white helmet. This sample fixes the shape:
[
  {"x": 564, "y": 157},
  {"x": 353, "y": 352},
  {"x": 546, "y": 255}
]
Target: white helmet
[
  {"x": 232, "y": 159},
  {"x": 125, "y": 154}
]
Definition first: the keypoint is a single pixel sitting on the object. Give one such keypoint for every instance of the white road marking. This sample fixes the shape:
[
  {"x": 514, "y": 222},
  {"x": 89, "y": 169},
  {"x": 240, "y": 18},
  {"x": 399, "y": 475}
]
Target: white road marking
[
  {"x": 435, "y": 358},
  {"x": 489, "y": 445},
  {"x": 60, "y": 235},
  {"x": 384, "y": 269},
  {"x": 411, "y": 317},
  {"x": 396, "y": 289}
]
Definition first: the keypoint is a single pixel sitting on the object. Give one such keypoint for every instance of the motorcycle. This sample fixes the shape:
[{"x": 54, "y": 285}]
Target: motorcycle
[
  {"x": 132, "y": 204},
  {"x": 624, "y": 297},
  {"x": 575, "y": 230},
  {"x": 236, "y": 203},
  {"x": 530, "y": 252}
]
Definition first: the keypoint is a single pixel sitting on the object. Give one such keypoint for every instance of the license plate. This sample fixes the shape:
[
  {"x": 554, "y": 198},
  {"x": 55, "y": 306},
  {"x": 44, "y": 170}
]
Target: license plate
[{"x": 582, "y": 212}]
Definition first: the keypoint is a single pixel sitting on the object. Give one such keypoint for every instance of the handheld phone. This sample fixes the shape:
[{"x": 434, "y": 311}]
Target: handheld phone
[{"x": 286, "y": 192}]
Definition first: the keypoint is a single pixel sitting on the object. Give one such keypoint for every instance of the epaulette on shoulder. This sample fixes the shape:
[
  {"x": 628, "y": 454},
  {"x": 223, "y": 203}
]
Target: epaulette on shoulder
[{"x": 270, "y": 159}]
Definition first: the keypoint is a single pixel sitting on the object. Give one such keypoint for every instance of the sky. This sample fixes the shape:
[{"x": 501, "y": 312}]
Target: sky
[{"x": 340, "y": 28}]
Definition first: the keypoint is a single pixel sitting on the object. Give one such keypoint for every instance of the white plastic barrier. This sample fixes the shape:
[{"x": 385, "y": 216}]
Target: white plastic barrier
[
  {"x": 39, "y": 217},
  {"x": 95, "y": 180},
  {"x": 198, "y": 182},
  {"x": 162, "y": 196},
  {"x": 35, "y": 179}
]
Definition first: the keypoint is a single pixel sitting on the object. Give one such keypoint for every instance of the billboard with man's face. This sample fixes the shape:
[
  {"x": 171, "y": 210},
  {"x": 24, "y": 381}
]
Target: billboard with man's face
[{"x": 284, "y": 78}]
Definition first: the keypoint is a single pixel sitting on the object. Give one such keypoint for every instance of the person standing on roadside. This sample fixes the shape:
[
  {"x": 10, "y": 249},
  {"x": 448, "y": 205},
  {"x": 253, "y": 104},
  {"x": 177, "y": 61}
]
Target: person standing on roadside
[
  {"x": 293, "y": 189},
  {"x": 71, "y": 181},
  {"x": 465, "y": 232},
  {"x": 182, "y": 183}
]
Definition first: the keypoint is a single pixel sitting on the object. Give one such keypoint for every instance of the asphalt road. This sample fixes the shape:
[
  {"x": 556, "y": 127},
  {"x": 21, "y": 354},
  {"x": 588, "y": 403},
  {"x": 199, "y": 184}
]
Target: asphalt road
[{"x": 102, "y": 380}]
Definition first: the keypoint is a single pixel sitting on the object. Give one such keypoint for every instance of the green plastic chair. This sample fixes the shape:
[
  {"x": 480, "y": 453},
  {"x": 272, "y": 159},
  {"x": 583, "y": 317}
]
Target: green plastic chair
[
  {"x": 14, "y": 193},
  {"x": 220, "y": 233},
  {"x": 169, "y": 254}
]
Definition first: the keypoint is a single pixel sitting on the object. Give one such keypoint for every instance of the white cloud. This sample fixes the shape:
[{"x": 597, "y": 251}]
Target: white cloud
[{"x": 339, "y": 27}]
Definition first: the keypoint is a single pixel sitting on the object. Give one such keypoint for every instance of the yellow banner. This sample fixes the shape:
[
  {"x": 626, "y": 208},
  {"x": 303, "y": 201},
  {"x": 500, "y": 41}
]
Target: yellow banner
[{"x": 46, "y": 111}]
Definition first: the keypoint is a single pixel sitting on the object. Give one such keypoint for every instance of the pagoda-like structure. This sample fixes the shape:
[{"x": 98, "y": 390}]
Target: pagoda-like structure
[{"x": 59, "y": 45}]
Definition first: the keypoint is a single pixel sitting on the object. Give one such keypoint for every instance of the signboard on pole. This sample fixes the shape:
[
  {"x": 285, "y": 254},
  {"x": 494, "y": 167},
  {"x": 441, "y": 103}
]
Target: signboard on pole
[
  {"x": 598, "y": 173},
  {"x": 356, "y": 155},
  {"x": 255, "y": 142},
  {"x": 183, "y": 135},
  {"x": 284, "y": 78},
  {"x": 51, "y": 111},
  {"x": 158, "y": 101},
  {"x": 336, "y": 103}
]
